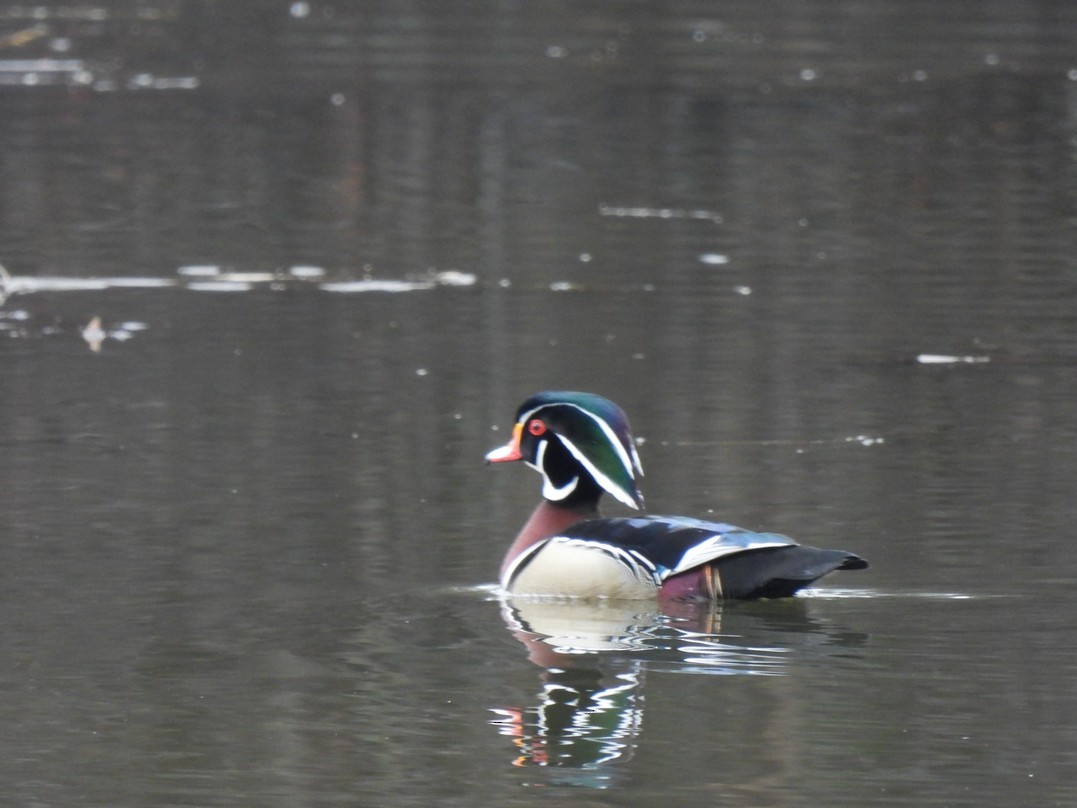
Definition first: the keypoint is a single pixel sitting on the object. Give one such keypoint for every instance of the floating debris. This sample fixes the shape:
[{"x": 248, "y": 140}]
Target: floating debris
[
  {"x": 94, "y": 334},
  {"x": 250, "y": 278},
  {"x": 16, "y": 39},
  {"x": 453, "y": 277},
  {"x": 866, "y": 440},
  {"x": 219, "y": 286},
  {"x": 39, "y": 72},
  {"x": 713, "y": 259},
  {"x": 214, "y": 278},
  {"x": 26, "y": 284},
  {"x": 659, "y": 213},
  {"x": 306, "y": 272},
  {"x": 148, "y": 81},
  {"x": 371, "y": 285},
  {"x": 946, "y": 359},
  {"x": 11, "y": 322},
  {"x": 220, "y": 275},
  {"x": 139, "y": 283}
]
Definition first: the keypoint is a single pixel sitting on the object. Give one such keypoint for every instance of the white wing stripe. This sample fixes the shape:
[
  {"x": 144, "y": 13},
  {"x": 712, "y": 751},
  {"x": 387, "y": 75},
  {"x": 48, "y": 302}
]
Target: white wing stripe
[{"x": 716, "y": 547}]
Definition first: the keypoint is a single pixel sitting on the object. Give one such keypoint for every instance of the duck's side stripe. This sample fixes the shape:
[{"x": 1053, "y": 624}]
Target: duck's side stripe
[{"x": 519, "y": 563}]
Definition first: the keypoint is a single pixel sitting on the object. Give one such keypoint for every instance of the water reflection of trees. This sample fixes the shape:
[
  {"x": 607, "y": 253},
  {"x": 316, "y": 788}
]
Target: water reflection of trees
[{"x": 489, "y": 139}]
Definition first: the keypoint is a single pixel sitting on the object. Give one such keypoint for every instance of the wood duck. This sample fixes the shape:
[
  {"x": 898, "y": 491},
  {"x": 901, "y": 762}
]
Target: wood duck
[{"x": 582, "y": 445}]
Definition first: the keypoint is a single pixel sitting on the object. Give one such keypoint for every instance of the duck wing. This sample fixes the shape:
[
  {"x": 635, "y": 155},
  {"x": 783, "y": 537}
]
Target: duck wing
[
  {"x": 671, "y": 544},
  {"x": 736, "y": 563}
]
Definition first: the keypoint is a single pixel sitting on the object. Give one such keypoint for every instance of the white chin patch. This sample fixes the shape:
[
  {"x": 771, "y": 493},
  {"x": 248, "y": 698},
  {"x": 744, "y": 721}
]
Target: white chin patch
[{"x": 552, "y": 492}]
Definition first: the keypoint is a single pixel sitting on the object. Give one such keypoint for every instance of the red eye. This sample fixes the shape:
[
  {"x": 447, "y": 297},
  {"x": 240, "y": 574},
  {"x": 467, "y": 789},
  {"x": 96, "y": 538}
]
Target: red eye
[{"x": 536, "y": 427}]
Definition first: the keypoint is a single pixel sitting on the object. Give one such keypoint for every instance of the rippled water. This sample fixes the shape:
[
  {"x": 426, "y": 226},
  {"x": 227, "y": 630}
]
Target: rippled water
[{"x": 276, "y": 279}]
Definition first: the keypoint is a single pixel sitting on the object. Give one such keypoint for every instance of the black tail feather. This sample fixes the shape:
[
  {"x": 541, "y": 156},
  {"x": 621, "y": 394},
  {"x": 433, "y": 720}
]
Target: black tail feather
[{"x": 778, "y": 572}]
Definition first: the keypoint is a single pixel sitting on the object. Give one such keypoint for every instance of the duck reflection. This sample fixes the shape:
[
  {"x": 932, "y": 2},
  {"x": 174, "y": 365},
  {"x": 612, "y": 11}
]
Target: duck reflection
[
  {"x": 588, "y": 712},
  {"x": 584, "y": 718},
  {"x": 590, "y": 706}
]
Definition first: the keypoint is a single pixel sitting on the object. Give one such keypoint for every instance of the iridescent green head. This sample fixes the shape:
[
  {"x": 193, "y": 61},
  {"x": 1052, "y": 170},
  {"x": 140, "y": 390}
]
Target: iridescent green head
[{"x": 572, "y": 439}]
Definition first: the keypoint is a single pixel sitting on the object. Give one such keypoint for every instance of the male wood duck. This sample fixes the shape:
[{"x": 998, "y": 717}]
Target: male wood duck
[{"x": 582, "y": 445}]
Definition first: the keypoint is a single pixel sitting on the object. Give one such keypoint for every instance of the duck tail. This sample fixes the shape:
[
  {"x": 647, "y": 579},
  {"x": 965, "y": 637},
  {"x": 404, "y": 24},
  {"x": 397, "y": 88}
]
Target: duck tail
[{"x": 774, "y": 572}]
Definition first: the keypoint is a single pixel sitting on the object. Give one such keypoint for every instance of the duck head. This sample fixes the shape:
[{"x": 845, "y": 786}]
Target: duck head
[{"x": 582, "y": 445}]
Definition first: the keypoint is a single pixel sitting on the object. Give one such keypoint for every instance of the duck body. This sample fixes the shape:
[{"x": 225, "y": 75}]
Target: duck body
[
  {"x": 582, "y": 445},
  {"x": 676, "y": 558}
]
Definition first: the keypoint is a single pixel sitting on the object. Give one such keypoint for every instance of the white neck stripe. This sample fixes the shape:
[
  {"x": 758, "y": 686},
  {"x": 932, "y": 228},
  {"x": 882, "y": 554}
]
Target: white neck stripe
[{"x": 549, "y": 490}]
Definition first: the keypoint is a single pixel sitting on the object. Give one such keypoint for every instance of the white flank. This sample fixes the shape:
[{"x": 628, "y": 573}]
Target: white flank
[{"x": 578, "y": 569}]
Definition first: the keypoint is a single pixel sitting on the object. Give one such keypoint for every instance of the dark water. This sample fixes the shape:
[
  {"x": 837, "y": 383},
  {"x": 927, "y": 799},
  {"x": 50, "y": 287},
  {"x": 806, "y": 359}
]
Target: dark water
[{"x": 823, "y": 255}]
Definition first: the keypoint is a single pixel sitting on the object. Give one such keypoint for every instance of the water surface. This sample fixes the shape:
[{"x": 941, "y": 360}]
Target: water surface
[{"x": 823, "y": 258}]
